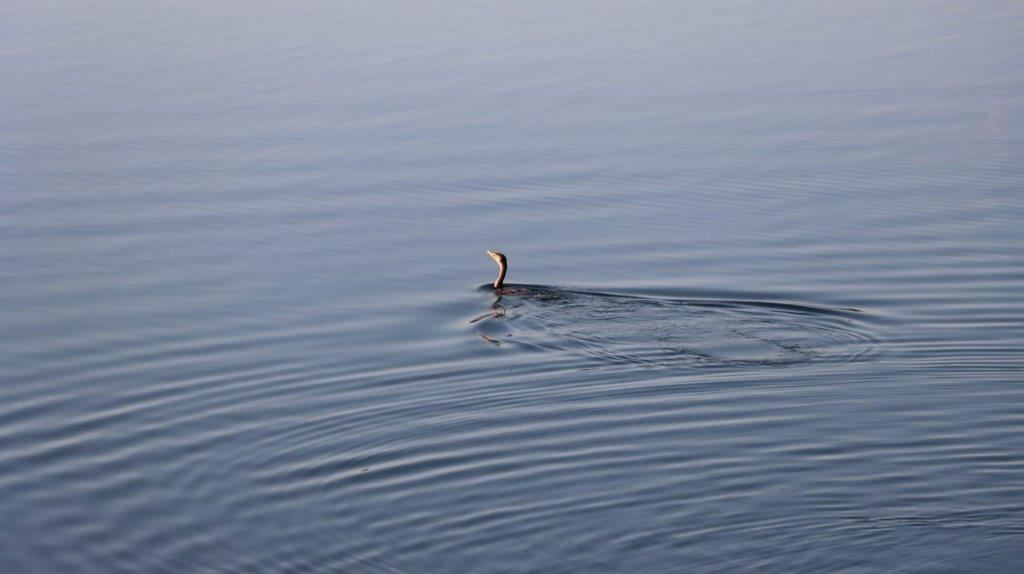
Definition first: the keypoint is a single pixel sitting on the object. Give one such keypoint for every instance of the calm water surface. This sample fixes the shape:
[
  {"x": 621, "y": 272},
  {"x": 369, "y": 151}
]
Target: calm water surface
[{"x": 768, "y": 271}]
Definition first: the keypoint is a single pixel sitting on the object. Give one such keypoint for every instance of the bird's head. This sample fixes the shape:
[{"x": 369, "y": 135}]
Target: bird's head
[{"x": 497, "y": 256}]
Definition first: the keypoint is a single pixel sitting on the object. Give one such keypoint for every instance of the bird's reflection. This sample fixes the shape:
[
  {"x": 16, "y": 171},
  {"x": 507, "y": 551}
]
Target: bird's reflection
[{"x": 497, "y": 310}]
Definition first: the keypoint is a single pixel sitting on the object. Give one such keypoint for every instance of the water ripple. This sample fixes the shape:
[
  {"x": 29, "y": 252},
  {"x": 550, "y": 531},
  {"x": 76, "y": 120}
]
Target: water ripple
[{"x": 673, "y": 332}]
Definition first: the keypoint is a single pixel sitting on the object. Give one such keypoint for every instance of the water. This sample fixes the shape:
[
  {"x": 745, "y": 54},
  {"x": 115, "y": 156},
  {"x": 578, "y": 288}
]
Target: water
[{"x": 768, "y": 304}]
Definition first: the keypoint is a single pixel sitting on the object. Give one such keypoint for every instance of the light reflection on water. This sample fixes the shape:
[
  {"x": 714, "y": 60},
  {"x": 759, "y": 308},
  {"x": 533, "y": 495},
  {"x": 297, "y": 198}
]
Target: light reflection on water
[{"x": 243, "y": 246}]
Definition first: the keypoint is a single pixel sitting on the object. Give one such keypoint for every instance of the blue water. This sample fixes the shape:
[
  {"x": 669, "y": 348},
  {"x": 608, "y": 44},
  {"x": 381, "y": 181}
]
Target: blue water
[{"x": 765, "y": 314}]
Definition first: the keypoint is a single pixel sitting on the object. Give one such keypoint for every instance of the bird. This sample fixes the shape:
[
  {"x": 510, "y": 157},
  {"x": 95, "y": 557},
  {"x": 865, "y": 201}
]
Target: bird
[
  {"x": 670, "y": 331},
  {"x": 502, "y": 262}
]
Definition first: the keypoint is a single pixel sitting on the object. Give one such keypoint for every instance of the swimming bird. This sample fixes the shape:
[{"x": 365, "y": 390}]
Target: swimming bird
[
  {"x": 502, "y": 262},
  {"x": 665, "y": 331}
]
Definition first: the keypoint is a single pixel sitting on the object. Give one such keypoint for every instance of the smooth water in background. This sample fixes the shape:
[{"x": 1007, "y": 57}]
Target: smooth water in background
[{"x": 768, "y": 302}]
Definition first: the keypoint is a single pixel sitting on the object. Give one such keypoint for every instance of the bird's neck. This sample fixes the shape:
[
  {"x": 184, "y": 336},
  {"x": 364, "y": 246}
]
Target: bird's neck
[{"x": 501, "y": 276}]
